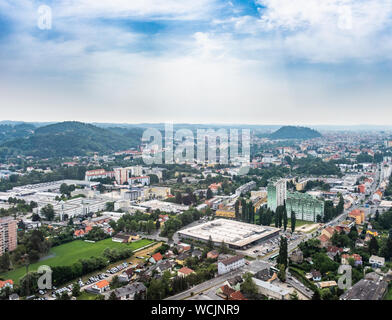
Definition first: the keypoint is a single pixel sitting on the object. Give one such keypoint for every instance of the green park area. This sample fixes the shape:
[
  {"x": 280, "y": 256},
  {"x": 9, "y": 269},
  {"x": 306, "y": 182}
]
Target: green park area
[{"x": 69, "y": 253}]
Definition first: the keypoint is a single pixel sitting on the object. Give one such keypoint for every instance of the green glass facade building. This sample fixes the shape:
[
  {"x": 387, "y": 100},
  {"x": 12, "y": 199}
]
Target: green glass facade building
[{"x": 304, "y": 205}]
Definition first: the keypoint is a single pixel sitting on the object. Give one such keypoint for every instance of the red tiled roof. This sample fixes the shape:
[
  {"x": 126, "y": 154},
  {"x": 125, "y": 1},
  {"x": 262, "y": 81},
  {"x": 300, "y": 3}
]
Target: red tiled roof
[
  {"x": 237, "y": 295},
  {"x": 185, "y": 270},
  {"x": 157, "y": 257}
]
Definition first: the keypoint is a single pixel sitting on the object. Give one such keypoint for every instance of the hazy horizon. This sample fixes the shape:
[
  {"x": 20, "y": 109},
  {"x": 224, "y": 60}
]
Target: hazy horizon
[{"x": 205, "y": 61}]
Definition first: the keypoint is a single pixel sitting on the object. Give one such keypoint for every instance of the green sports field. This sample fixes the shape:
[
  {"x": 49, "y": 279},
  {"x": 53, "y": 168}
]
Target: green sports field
[{"x": 69, "y": 253}]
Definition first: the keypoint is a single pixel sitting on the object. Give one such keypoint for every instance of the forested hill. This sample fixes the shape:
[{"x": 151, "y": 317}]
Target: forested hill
[
  {"x": 291, "y": 132},
  {"x": 71, "y": 139}
]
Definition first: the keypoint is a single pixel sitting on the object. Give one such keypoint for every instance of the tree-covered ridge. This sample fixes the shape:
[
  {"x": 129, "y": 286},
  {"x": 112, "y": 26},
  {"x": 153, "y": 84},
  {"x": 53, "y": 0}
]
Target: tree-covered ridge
[
  {"x": 292, "y": 132},
  {"x": 70, "y": 139},
  {"x": 10, "y": 132}
]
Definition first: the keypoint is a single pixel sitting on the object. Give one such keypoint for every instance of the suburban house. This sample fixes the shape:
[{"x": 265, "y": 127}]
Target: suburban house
[
  {"x": 376, "y": 262},
  {"x": 165, "y": 266},
  {"x": 270, "y": 290},
  {"x": 155, "y": 258},
  {"x": 185, "y": 271},
  {"x": 6, "y": 283},
  {"x": 128, "y": 292},
  {"x": 358, "y": 215},
  {"x": 230, "y": 264},
  {"x": 182, "y": 257},
  {"x": 316, "y": 275},
  {"x": 213, "y": 254},
  {"x": 357, "y": 259}
]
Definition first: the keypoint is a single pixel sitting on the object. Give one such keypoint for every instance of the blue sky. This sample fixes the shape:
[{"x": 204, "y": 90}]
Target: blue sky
[{"x": 199, "y": 61}]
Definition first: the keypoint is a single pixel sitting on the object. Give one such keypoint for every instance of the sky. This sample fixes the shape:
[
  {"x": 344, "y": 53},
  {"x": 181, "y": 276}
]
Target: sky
[{"x": 197, "y": 61}]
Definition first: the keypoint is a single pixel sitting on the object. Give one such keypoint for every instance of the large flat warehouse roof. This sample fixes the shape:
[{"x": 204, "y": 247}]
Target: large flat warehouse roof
[{"x": 234, "y": 233}]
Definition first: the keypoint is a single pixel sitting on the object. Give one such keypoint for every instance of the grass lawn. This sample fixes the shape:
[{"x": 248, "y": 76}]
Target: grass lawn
[
  {"x": 300, "y": 223},
  {"x": 69, "y": 253},
  {"x": 87, "y": 296}
]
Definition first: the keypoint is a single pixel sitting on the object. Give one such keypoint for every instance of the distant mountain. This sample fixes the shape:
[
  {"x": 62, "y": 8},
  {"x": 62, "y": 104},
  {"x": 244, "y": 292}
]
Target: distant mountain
[
  {"x": 291, "y": 132},
  {"x": 70, "y": 139},
  {"x": 10, "y": 132}
]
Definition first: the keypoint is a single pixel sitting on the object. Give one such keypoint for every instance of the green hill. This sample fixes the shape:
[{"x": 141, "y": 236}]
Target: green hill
[
  {"x": 291, "y": 132},
  {"x": 68, "y": 139}
]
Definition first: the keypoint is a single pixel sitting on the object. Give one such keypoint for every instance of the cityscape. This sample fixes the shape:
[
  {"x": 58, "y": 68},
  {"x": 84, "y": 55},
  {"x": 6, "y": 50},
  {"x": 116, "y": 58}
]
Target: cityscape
[{"x": 195, "y": 153}]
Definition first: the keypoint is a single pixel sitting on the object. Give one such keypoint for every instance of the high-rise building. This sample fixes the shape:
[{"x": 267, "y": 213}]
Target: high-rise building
[
  {"x": 305, "y": 206},
  {"x": 8, "y": 235},
  {"x": 276, "y": 191}
]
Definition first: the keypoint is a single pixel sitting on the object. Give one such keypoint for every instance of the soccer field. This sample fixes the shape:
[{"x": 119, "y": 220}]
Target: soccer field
[{"x": 69, "y": 253}]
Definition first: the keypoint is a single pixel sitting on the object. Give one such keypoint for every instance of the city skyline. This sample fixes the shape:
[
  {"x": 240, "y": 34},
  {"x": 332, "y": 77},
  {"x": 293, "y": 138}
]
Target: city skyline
[{"x": 254, "y": 62}]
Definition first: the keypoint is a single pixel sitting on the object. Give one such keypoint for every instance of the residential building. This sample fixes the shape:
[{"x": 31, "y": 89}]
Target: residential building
[
  {"x": 305, "y": 206},
  {"x": 128, "y": 292},
  {"x": 272, "y": 291},
  {"x": 276, "y": 193},
  {"x": 376, "y": 262},
  {"x": 185, "y": 271},
  {"x": 230, "y": 264},
  {"x": 8, "y": 235},
  {"x": 358, "y": 215}
]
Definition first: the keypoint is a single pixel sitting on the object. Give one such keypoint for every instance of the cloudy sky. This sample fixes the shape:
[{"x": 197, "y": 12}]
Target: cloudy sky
[{"x": 197, "y": 61}]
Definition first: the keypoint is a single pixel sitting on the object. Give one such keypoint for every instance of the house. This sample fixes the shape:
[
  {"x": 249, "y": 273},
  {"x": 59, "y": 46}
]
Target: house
[
  {"x": 185, "y": 271},
  {"x": 230, "y": 264},
  {"x": 356, "y": 257},
  {"x": 376, "y": 262},
  {"x": 6, "y": 284},
  {"x": 358, "y": 215},
  {"x": 225, "y": 292},
  {"x": 155, "y": 258},
  {"x": 128, "y": 292},
  {"x": 14, "y": 296},
  {"x": 372, "y": 287},
  {"x": 264, "y": 274},
  {"x": 165, "y": 266},
  {"x": 213, "y": 254},
  {"x": 197, "y": 253},
  {"x": 126, "y": 276},
  {"x": 316, "y": 275},
  {"x": 101, "y": 286},
  {"x": 121, "y": 237},
  {"x": 324, "y": 241},
  {"x": 237, "y": 295},
  {"x": 182, "y": 257},
  {"x": 235, "y": 282},
  {"x": 326, "y": 284},
  {"x": 328, "y": 232},
  {"x": 297, "y": 256},
  {"x": 270, "y": 290}
]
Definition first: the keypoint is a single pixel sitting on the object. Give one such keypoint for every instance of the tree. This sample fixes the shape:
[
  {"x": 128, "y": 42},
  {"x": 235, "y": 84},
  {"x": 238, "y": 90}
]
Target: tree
[
  {"x": 293, "y": 221},
  {"x": 178, "y": 198},
  {"x": 5, "y": 262},
  {"x": 110, "y": 206},
  {"x": 209, "y": 193},
  {"x": 76, "y": 289},
  {"x": 373, "y": 246},
  {"x": 48, "y": 212},
  {"x": 248, "y": 287},
  {"x": 283, "y": 252},
  {"x": 210, "y": 243},
  {"x": 282, "y": 272},
  {"x": 294, "y": 295},
  {"x": 285, "y": 220},
  {"x": 112, "y": 296},
  {"x": 316, "y": 295}
]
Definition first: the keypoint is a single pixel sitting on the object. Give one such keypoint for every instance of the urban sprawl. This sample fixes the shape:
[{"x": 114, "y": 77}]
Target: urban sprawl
[{"x": 111, "y": 227}]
